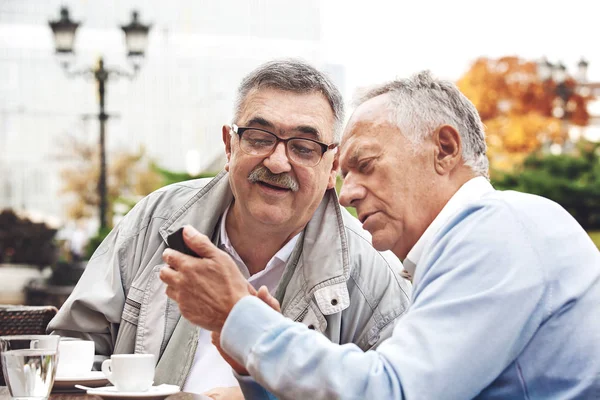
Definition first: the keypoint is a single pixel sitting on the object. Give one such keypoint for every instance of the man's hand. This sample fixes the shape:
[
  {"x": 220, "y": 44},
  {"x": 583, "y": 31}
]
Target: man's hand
[
  {"x": 264, "y": 295},
  {"x": 205, "y": 288},
  {"x": 225, "y": 393}
]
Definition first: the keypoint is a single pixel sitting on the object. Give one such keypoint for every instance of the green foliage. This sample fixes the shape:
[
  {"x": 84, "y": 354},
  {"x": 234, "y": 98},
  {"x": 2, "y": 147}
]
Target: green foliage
[
  {"x": 168, "y": 177},
  {"x": 338, "y": 186},
  {"x": 572, "y": 180},
  {"x": 25, "y": 242},
  {"x": 595, "y": 238}
]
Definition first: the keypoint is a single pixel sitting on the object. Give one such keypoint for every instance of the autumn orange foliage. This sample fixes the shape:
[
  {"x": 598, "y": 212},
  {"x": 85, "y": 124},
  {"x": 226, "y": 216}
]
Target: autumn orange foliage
[{"x": 516, "y": 107}]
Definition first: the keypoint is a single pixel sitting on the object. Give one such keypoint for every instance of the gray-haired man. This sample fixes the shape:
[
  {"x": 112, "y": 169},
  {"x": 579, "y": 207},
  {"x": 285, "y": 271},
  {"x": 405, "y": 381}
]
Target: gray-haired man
[{"x": 274, "y": 211}]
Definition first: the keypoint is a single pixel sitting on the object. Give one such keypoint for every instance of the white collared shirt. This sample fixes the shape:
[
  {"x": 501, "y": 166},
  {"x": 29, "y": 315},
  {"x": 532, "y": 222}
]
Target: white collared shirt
[
  {"x": 470, "y": 191},
  {"x": 272, "y": 273},
  {"x": 209, "y": 369}
]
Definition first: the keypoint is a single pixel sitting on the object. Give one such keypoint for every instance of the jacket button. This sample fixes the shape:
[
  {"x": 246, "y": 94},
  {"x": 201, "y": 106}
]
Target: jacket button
[
  {"x": 334, "y": 302},
  {"x": 311, "y": 326}
]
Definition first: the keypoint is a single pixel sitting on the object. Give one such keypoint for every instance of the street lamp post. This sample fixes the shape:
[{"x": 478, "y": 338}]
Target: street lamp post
[
  {"x": 556, "y": 80},
  {"x": 555, "y": 76},
  {"x": 136, "y": 38}
]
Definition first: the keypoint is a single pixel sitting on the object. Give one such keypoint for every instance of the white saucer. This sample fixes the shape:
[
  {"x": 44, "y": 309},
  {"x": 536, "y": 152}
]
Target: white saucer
[
  {"x": 154, "y": 393},
  {"x": 91, "y": 379}
]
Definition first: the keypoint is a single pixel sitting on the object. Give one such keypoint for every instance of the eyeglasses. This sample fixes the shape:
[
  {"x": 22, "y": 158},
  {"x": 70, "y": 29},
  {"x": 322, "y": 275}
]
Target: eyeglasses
[{"x": 301, "y": 151}]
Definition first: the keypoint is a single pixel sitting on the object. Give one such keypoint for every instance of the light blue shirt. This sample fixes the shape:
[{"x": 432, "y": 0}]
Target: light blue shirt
[{"x": 506, "y": 304}]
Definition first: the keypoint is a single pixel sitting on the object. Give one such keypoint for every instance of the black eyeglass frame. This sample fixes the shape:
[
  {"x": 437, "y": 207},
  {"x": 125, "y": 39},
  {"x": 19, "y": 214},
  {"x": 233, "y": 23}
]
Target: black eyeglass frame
[{"x": 239, "y": 130}]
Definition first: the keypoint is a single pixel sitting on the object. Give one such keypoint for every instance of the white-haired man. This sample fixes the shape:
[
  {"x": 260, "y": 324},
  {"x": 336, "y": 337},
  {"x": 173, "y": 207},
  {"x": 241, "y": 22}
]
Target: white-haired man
[{"x": 506, "y": 284}]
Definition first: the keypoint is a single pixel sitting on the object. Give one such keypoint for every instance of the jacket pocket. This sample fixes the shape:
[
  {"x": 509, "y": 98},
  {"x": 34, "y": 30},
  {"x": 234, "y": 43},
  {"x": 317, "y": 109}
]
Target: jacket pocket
[
  {"x": 333, "y": 299},
  {"x": 151, "y": 321}
]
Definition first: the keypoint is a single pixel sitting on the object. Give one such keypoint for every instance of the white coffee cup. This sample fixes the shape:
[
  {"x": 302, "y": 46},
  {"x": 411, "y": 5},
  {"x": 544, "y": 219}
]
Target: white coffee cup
[
  {"x": 130, "y": 372},
  {"x": 75, "y": 357}
]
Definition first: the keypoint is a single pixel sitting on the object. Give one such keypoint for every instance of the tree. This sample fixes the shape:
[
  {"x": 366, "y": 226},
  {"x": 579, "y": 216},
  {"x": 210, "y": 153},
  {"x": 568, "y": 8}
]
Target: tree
[
  {"x": 516, "y": 107},
  {"x": 129, "y": 175},
  {"x": 572, "y": 180}
]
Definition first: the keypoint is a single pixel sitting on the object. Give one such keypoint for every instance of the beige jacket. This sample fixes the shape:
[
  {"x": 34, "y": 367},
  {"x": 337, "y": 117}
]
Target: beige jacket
[{"x": 334, "y": 282}]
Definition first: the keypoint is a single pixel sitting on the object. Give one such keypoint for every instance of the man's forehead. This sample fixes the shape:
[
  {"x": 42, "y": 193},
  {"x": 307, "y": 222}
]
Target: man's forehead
[
  {"x": 377, "y": 107},
  {"x": 308, "y": 103},
  {"x": 354, "y": 146},
  {"x": 372, "y": 112},
  {"x": 286, "y": 110}
]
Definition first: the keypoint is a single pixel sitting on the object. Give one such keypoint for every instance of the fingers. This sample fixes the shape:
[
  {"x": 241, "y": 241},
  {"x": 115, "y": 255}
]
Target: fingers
[
  {"x": 264, "y": 295},
  {"x": 199, "y": 243},
  {"x": 212, "y": 394},
  {"x": 168, "y": 276},
  {"x": 172, "y": 293},
  {"x": 251, "y": 289},
  {"x": 229, "y": 393},
  {"x": 174, "y": 258},
  {"x": 177, "y": 260}
]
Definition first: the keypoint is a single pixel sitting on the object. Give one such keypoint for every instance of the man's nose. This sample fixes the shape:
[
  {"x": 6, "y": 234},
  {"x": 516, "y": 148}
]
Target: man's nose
[
  {"x": 278, "y": 161},
  {"x": 351, "y": 193}
]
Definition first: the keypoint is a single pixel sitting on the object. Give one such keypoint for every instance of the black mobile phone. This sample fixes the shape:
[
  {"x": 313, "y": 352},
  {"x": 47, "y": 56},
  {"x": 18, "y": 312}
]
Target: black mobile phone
[{"x": 175, "y": 241}]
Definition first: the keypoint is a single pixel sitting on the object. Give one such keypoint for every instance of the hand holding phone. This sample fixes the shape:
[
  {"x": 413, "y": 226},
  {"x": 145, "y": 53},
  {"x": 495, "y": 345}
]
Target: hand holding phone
[{"x": 176, "y": 242}]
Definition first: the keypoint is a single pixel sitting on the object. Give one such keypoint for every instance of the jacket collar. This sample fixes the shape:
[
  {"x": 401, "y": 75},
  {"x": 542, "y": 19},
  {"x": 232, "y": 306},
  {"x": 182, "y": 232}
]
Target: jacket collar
[
  {"x": 324, "y": 246},
  {"x": 203, "y": 210}
]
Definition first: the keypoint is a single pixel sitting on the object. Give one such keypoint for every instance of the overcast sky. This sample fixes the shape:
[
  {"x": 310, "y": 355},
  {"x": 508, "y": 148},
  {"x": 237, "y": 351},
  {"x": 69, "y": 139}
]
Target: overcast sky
[{"x": 379, "y": 39}]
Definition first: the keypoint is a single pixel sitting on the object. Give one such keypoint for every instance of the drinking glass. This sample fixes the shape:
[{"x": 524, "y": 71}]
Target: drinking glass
[{"x": 29, "y": 364}]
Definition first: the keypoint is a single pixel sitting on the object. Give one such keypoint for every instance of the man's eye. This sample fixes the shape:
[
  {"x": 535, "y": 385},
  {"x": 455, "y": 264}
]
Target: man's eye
[
  {"x": 261, "y": 142},
  {"x": 364, "y": 166}
]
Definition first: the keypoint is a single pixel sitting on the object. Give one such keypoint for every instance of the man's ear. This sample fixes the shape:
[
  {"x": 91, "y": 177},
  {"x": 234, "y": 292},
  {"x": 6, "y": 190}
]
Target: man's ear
[
  {"x": 334, "y": 171},
  {"x": 227, "y": 142},
  {"x": 448, "y": 149}
]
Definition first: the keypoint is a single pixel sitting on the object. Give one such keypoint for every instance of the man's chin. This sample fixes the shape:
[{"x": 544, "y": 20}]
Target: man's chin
[
  {"x": 380, "y": 243},
  {"x": 271, "y": 215}
]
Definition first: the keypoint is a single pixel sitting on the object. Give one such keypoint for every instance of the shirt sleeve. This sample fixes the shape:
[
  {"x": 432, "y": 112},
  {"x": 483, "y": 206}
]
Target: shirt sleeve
[
  {"x": 477, "y": 303},
  {"x": 251, "y": 389}
]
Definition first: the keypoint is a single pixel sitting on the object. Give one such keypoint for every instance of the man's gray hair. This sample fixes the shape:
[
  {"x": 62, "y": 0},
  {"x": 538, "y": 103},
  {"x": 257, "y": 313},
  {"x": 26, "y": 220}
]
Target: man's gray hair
[
  {"x": 421, "y": 104},
  {"x": 294, "y": 76}
]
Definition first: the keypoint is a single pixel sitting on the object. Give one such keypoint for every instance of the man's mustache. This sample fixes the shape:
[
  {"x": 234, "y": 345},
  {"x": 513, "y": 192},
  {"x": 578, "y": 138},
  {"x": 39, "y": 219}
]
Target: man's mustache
[{"x": 262, "y": 174}]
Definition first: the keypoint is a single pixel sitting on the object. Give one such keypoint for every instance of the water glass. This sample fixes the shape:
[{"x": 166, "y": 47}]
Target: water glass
[{"x": 29, "y": 364}]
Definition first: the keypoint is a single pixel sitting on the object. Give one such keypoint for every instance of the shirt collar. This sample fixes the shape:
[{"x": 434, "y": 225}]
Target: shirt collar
[
  {"x": 470, "y": 191},
  {"x": 282, "y": 255}
]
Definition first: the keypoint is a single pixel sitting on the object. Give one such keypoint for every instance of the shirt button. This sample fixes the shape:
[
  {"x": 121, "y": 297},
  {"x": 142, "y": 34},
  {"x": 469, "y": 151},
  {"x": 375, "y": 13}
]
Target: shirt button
[{"x": 334, "y": 302}]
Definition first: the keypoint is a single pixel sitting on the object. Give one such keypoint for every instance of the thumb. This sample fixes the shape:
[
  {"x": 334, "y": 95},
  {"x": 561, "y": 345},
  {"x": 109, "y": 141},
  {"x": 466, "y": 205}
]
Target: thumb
[
  {"x": 251, "y": 289},
  {"x": 199, "y": 243},
  {"x": 264, "y": 295}
]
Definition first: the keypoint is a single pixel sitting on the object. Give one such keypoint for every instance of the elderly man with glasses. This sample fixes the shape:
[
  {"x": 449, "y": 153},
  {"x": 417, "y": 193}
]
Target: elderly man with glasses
[{"x": 274, "y": 210}]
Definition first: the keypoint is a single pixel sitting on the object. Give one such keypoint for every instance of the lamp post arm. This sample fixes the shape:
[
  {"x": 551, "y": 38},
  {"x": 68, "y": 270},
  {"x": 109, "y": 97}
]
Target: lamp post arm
[
  {"x": 86, "y": 73},
  {"x": 122, "y": 73}
]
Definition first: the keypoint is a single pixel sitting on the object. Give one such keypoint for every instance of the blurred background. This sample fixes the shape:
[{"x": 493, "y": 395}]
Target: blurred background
[{"x": 146, "y": 85}]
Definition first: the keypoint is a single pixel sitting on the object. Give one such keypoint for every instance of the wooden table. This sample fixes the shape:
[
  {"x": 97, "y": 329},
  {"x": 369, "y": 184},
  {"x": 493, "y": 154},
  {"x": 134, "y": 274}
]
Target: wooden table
[{"x": 4, "y": 395}]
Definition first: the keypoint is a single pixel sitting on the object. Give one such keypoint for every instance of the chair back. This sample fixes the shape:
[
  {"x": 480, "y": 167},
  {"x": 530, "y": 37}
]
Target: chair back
[{"x": 24, "y": 320}]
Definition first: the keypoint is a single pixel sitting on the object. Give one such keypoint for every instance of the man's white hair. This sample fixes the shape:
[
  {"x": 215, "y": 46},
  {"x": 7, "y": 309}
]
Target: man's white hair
[{"x": 421, "y": 104}]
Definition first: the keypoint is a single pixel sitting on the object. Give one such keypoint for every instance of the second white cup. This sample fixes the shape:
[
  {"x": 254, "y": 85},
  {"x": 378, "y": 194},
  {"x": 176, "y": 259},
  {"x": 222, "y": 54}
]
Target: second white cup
[
  {"x": 130, "y": 372},
  {"x": 75, "y": 357}
]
